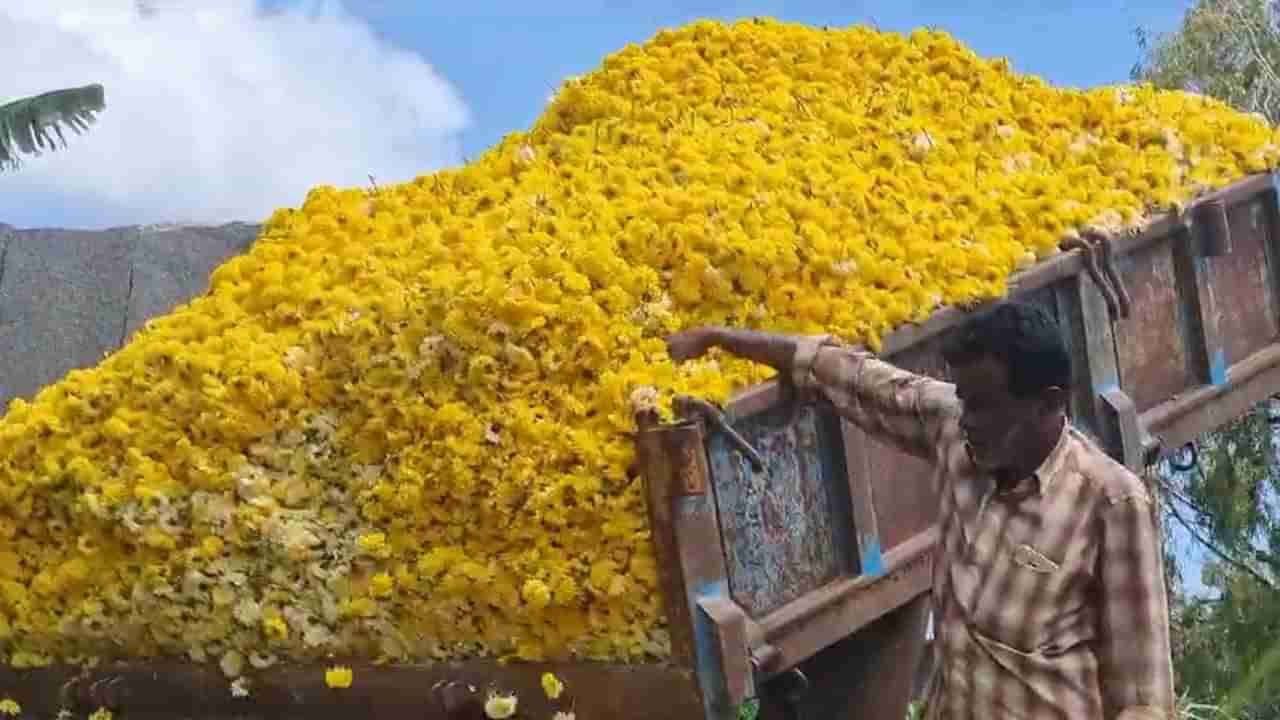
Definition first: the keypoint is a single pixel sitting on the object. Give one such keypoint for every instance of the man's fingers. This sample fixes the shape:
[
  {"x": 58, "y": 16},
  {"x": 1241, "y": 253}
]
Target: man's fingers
[{"x": 685, "y": 346}]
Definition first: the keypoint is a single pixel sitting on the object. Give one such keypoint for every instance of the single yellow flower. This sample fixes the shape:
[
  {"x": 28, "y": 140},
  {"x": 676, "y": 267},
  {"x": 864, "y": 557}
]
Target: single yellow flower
[
  {"x": 275, "y": 628},
  {"x": 338, "y": 677},
  {"x": 382, "y": 585},
  {"x": 552, "y": 686},
  {"x": 500, "y": 705}
]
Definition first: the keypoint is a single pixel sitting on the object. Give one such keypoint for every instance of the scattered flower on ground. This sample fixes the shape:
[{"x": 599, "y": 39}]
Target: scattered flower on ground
[
  {"x": 338, "y": 677},
  {"x": 500, "y": 705}
]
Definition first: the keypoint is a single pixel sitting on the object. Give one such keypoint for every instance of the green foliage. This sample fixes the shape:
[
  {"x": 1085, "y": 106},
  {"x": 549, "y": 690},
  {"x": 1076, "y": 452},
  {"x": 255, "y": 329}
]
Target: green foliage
[
  {"x": 1227, "y": 49},
  {"x": 25, "y": 124},
  {"x": 1227, "y": 646}
]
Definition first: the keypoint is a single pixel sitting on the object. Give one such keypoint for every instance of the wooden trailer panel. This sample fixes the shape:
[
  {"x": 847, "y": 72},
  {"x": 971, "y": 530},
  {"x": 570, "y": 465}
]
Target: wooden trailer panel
[{"x": 1243, "y": 280}]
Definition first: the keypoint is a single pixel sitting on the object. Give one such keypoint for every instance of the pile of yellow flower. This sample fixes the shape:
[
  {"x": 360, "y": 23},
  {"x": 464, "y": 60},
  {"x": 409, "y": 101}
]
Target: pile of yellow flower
[{"x": 398, "y": 427}]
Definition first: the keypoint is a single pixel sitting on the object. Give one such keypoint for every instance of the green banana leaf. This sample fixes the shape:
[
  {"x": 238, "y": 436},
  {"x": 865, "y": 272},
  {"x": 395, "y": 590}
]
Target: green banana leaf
[{"x": 26, "y": 124}]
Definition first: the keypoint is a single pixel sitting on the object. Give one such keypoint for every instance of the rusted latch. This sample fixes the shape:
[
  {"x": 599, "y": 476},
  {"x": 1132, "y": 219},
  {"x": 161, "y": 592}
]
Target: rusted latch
[
  {"x": 765, "y": 658},
  {"x": 1096, "y": 250},
  {"x": 690, "y": 407},
  {"x": 792, "y": 687},
  {"x": 1129, "y": 439}
]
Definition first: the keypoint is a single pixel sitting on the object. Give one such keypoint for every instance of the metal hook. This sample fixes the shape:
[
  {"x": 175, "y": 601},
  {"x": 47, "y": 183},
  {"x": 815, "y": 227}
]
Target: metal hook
[
  {"x": 1096, "y": 250},
  {"x": 691, "y": 406},
  {"x": 1103, "y": 242},
  {"x": 1190, "y": 464},
  {"x": 794, "y": 691}
]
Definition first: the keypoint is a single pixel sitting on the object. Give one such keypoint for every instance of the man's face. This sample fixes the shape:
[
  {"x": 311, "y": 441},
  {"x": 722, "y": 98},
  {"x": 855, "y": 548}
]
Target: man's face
[{"x": 999, "y": 426}]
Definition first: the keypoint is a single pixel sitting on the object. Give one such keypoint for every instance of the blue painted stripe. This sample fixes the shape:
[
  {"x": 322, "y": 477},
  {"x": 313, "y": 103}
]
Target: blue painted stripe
[
  {"x": 719, "y": 588},
  {"x": 872, "y": 559},
  {"x": 1218, "y": 368},
  {"x": 711, "y": 677}
]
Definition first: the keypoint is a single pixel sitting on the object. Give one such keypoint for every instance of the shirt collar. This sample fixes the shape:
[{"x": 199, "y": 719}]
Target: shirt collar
[
  {"x": 1043, "y": 476},
  {"x": 1051, "y": 467}
]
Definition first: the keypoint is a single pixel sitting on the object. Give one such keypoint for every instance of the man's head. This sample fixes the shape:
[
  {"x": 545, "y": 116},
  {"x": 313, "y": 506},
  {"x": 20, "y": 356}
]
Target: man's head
[{"x": 1012, "y": 373}]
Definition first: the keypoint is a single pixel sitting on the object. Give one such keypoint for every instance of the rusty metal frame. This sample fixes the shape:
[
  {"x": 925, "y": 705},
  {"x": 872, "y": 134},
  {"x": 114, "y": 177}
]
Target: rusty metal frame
[
  {"x": 733, "y": 652},
  {"x": 798, "y": 630},
  {"x": 1228, "y": 386},
  {"x": 724, "y": 640}
]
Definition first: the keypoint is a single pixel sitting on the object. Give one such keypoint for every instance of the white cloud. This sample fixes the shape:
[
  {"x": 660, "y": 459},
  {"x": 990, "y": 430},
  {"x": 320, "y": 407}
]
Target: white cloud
[{"x": 217, "y": 110}]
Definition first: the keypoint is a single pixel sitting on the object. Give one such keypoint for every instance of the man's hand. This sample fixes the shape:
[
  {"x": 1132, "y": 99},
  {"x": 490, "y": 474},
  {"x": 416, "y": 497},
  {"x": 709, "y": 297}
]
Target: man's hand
[
  {"x": 776, "y": 351},
  {"x": 691, "y": 344}
]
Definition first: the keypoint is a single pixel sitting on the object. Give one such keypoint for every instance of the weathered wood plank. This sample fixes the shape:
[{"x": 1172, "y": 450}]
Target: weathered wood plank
[
  {"x": 1150, "y": 343},
  {"x": 802, "y": 628},
  {"x": 1243, "y": 281},
  {"x": 862, "y": 502},
  {"x": 1206, "y": 349},
  {"x": 1188, "y": 415},
  {"x": 655, "y": 467},
  {"x": 866, "y": 676},
  {"x": 700, "y": 553}
]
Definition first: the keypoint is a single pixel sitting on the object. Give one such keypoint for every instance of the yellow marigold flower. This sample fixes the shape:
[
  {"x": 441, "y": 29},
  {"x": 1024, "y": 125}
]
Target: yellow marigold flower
[
  {"x": 10, "y": 707},
  {"x": 552, "y": 686},
  {"x": 374, "y": 544},
  {"x": 212, "y": 546},
  {"x": 382, "y": 585},
  {"x": 536, "y": 593},
  {"x": 358, "y": 607},
  {"x": 500, "y": 705},
  {"x": 338, "y": 677},
  {"x": 275, "y": 627}
]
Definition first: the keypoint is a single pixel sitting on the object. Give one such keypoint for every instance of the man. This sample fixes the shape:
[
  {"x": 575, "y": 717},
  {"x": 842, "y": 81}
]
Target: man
[{"x": 1048, "y": 587}]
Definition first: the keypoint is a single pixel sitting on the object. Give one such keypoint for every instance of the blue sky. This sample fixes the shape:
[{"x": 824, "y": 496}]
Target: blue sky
[
  {"x": 226, "y": 110},
  {"x": 506, "y": 61}
]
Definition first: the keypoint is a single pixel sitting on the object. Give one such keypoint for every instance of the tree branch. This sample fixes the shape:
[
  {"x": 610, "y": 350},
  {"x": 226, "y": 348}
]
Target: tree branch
[
  {"x": 1222, "y": 554},
  {"x": 1245, "y": 24}
]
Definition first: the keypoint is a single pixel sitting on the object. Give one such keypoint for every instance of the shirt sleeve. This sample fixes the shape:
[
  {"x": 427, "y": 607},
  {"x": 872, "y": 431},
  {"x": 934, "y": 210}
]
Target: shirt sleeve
[
  {"x": 1136, "y": 669},
  {"x": 905, "y": 409}
]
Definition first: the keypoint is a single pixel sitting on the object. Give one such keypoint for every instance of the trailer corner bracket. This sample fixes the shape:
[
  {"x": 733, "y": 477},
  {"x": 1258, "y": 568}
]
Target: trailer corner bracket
[
  {"x": 1128, "y": 439},
  {"x": 730, "y": 645}
]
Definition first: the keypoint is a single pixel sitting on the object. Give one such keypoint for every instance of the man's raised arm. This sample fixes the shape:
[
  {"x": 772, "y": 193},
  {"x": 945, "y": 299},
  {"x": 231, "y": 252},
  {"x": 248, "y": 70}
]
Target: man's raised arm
[{"x": 900, "y": 407}]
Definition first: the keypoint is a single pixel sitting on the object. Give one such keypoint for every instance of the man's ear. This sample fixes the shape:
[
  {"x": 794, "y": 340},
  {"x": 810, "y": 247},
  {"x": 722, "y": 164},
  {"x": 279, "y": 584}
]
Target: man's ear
[{"x": 1056, "y": 398}]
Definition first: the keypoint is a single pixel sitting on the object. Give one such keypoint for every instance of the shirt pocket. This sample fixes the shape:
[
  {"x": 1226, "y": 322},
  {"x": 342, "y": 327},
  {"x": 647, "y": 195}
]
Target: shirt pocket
[{"x": 1021, "y": 596}]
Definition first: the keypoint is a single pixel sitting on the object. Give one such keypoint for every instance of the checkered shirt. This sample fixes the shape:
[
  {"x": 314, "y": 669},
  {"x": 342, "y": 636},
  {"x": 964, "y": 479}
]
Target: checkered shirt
[{"x": 1050, "y": 594}]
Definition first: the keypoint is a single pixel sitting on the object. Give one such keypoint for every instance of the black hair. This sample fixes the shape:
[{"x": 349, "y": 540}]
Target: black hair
[{"x": 1022, "y": 337}]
